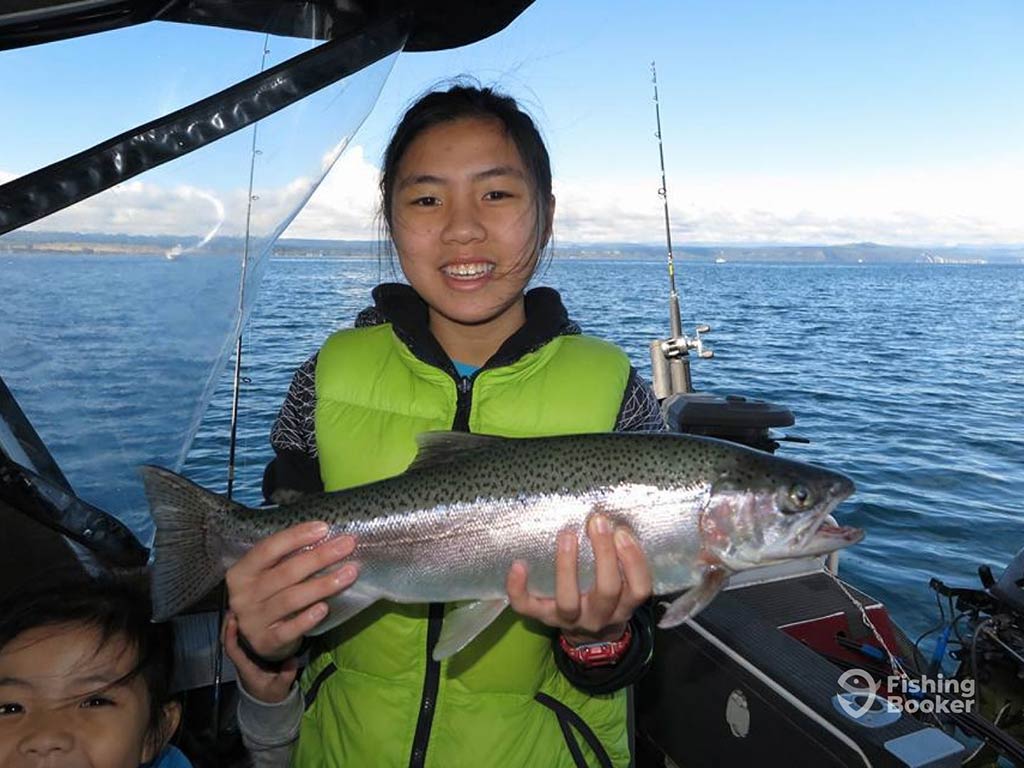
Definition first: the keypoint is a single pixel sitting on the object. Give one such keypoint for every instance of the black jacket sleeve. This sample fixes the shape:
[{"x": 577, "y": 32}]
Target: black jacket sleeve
[
  {"x": 295, "y": 468},
  {"x": 289, "y": 475}
]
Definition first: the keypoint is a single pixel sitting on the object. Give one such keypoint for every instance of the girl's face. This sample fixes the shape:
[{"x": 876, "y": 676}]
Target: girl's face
[
  {"x": 463, "y": 220},
  {"x": 58, "y": 707}
]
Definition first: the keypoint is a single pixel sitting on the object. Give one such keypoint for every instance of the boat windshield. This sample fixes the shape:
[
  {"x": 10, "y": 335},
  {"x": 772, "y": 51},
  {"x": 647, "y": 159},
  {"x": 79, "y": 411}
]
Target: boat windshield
[{"x": 119, "y": 314}]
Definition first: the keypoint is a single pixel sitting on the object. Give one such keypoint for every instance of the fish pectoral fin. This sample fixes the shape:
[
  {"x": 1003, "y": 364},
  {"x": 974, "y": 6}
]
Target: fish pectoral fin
[
  {"x": 343, "y": 606},
  {"x": 465, "y": 623},
  {"x": 694, "y": 600}
]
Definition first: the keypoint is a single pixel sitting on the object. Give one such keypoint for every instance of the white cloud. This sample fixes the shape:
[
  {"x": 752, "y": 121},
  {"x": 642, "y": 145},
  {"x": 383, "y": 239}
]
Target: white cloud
[
  {"x": 900, "y": 207},
  {"x": 344, "y": 207},
  {"x": 974, "y": 205},
  {"x": 140, "y": 208},
  {"x": 969, "y": 205},
  {"x": 195, "y": 213}
]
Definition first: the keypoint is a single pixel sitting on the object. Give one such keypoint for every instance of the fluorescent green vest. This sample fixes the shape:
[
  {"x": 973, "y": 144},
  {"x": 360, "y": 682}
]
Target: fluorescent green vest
[{"x": 502, "y": 700}]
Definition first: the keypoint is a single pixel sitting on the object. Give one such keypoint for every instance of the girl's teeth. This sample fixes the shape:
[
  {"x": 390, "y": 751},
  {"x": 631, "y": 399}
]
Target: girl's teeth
[{"x": 468, "y": 270}]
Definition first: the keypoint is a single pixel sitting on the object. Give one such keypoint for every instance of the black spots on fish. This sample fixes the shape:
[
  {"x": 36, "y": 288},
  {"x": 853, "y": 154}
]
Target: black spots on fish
[{"x": 512, "y": 470}]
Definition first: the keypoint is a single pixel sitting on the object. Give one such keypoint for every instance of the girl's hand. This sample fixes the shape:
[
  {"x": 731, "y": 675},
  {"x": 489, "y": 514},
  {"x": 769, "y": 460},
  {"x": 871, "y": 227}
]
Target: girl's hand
[
  {"x": 270, "y": 592},
  {"x": 268, "y": 687},
  {"x": 603, "y": 612}
]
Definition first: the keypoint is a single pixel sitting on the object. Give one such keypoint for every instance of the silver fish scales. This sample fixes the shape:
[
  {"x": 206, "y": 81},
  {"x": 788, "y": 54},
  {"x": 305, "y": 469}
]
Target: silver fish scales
[{"x": 449, "y": 527}]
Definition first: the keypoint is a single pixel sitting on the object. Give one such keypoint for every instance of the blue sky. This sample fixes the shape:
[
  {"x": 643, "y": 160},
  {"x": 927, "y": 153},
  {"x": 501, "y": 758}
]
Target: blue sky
[
  {"x": 817, "y": 84},
  {"x": 783, "y": 121}
]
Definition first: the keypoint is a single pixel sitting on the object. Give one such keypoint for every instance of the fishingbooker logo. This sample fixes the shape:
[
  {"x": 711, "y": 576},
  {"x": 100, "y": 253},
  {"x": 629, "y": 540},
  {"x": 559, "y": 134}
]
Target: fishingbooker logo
[{"x": 865, "y": 695}]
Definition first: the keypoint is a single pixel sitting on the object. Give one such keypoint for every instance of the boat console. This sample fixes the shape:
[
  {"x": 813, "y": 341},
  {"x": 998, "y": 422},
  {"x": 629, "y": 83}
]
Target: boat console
[{"x": 732, "y": 417}]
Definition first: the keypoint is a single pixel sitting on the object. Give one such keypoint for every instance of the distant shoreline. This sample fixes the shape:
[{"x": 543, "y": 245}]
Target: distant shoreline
[{"x": 26, "y": 243}]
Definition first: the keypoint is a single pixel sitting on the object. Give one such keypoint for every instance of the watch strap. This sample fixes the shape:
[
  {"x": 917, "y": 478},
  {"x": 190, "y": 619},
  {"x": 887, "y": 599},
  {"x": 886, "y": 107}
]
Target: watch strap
[{"x": 598, "y": 654}]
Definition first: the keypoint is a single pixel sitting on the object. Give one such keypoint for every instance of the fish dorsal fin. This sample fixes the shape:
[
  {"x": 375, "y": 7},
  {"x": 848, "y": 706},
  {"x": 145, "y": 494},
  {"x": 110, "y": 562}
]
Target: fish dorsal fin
[{"x": 436, "y": 448}]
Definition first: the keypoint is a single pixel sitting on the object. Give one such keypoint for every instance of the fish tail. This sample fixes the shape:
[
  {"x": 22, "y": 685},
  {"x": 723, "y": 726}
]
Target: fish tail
[{"x": 184, "y": 564}]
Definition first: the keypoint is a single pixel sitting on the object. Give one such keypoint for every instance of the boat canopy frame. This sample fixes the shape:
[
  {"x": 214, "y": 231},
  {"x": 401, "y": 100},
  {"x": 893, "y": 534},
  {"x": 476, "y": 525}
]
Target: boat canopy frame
[
  {"x": 439, "y": 24},
  {"x": 358, "y": 35}
]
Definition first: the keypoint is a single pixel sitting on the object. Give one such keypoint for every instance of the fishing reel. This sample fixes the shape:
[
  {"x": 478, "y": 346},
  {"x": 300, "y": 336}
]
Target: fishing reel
[
  {"x": 682, "y": 344},
  {"x": 670, "y": 363}
]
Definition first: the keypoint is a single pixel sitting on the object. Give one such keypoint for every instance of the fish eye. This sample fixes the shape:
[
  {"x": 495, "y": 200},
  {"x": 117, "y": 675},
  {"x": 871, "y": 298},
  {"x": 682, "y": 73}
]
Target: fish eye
[{"x": 800, "y": 498}]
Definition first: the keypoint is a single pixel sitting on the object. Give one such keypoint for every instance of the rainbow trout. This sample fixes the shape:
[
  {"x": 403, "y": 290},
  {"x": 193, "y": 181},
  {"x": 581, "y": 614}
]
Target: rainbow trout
[{"x": 450, "y": 526}]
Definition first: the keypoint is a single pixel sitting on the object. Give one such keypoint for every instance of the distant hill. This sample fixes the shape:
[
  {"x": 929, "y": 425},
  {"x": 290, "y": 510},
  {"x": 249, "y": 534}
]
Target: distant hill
[{"x": 852, "y": 253}]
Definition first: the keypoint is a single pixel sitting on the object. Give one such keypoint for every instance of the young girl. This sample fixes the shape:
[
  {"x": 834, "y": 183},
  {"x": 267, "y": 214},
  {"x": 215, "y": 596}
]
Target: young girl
[
  {"x": 466, "y": 198},
  {"x": 84, "y": 679}
]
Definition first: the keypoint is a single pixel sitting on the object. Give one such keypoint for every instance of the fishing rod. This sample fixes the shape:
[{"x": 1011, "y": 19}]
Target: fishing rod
[
  {"x": 236, "y": 386},
  {"x": 670, "y": 358},
  {"x": 674, "y": 319}
]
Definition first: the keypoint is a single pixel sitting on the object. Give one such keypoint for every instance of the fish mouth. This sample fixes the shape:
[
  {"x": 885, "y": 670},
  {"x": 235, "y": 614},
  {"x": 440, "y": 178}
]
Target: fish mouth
[
  {"x": 838, "y": 492},
  {"x": 830, "y": 538},
  {"x": 820, "y": 535}
]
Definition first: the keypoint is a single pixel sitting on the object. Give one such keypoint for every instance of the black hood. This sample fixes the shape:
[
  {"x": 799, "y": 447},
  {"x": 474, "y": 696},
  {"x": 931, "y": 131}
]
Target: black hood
[{"x": 399, "y": 305}]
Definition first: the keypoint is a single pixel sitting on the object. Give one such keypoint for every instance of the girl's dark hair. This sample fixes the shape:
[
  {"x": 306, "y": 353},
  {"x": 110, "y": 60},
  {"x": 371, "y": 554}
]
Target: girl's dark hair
[
  {"x": 472, "y": 101},
  {"x": 115, "y": 609}
]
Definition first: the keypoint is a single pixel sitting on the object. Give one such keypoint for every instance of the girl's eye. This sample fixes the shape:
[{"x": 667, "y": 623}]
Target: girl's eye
[
  {"x": 497, "y": 194},
  {"x": 426, "y": 201},
  {"x": 10, "y": 708},
  {"x": 96, "y": 701}
]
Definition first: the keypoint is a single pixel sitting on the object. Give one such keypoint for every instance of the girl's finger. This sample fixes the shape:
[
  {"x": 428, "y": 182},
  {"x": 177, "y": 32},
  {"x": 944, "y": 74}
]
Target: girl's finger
[
  {"x": 604, "y": 595},
  {"x": 307, "y": 593},
  {"x": 567, "y": 590},
  {"x": 297, "y": 569},
  {"x": 520, "y": 599},
  {"x": 288, "y": 632},
  {"x": 270, "y": 550},
  {"x": 234, "y": 651},
  {"x": 229, "y": 632},
  {"x": 515, "y": 586},
  {"x": 635, "y": 570}
]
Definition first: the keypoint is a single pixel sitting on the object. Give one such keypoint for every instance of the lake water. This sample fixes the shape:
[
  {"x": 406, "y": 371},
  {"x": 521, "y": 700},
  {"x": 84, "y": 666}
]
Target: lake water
[{"x": 908, "y": 378}]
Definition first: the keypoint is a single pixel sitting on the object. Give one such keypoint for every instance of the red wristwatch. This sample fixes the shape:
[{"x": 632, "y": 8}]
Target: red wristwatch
[{"x": 598, "y": 654}]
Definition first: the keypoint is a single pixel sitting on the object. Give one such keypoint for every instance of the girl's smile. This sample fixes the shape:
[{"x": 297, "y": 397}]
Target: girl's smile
[{"x": 467, "y": 275}]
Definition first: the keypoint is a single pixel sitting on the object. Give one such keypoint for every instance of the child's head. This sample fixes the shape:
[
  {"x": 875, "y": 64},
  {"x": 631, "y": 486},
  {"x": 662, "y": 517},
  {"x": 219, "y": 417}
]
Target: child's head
[
  {"x": 84, "y": 678},
  {"x": 466, "y": 199}
]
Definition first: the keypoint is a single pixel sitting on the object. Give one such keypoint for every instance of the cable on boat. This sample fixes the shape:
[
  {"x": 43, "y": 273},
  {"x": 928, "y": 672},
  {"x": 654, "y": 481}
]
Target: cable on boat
[
  {"x": 894, "y": 663},
  {"x": 974, "y": 655}
]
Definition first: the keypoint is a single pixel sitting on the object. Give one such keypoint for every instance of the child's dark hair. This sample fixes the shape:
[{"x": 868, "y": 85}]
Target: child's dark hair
[
  {"x": 115, "y": 609},
  {"x": 472, "y": 101}
]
